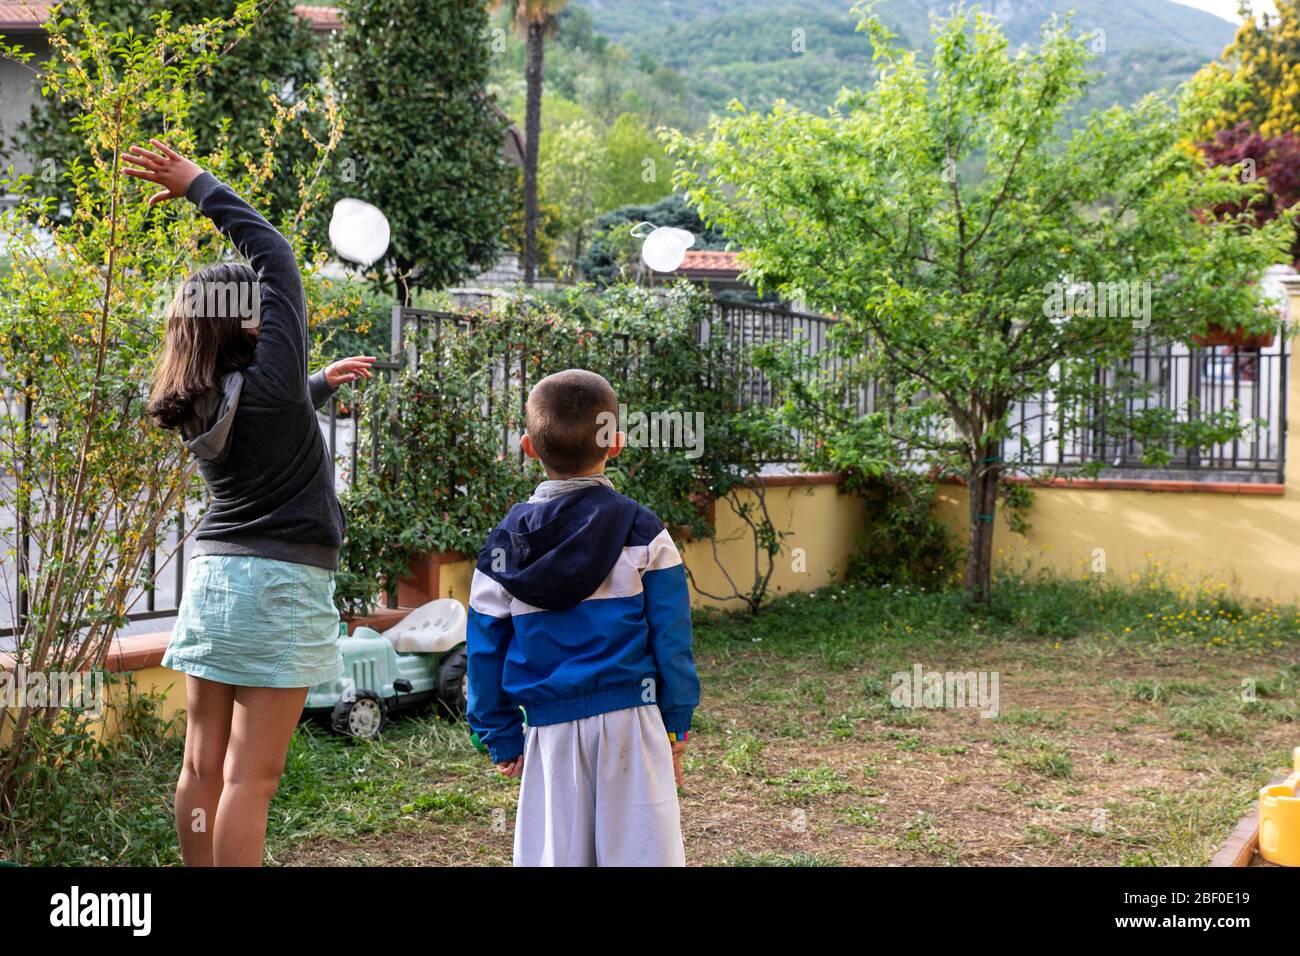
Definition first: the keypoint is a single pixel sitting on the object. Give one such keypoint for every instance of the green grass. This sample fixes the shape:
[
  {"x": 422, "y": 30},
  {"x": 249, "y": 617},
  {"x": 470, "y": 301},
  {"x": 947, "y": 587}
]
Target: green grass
[
  {"x": 801, "y": 787},
  {"x": 797, "y": 718},
  {"x": 1028, "y": 717},
  {"x": 832, "y": 622},
  {"x": 745, "y": 858}
]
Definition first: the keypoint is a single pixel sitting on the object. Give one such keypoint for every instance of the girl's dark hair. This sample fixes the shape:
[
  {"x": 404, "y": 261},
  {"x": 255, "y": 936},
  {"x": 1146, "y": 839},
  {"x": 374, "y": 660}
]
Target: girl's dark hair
[{"x": 208, "y": 336}]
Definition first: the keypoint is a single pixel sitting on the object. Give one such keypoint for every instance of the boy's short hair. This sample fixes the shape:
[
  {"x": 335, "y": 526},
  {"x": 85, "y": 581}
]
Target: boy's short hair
[{"x": 564, "y": 419}]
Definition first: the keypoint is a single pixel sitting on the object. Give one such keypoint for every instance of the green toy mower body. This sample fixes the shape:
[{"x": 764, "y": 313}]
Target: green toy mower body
[{"x": 418, "y": 662}]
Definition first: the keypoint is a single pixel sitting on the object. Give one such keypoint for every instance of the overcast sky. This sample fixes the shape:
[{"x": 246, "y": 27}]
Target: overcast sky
[{"x": 1228, "y": 8}]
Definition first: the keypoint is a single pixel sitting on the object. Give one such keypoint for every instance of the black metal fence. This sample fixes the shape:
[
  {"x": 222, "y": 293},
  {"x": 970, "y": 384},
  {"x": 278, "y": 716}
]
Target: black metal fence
[{"x": 1186, "y": 381}]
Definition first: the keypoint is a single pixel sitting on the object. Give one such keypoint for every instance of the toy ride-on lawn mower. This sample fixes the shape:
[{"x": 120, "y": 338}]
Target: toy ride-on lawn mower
[{"x": 418, "y": 661}]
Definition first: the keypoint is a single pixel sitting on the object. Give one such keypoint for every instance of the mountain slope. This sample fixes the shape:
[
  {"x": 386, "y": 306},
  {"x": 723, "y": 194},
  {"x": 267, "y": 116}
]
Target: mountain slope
[{"x": 759, "y": 50}]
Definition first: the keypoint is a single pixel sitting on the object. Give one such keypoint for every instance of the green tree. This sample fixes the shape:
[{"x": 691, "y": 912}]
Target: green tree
[
  {"x": 570, "y": 179},
  {"x": 962, "y": 295},
  {"x": 634, "y": 168},
  {"x": 535, "y": 20},
  {"x": 550, "y": 227},
  {"x": 423, "y": 139},
  {"x": 586, "y": 170},
  {"x": 234, "y": 97}
]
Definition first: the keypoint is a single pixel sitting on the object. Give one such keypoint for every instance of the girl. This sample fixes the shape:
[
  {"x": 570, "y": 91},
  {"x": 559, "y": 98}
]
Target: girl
[{"x": 257, "y": 624}]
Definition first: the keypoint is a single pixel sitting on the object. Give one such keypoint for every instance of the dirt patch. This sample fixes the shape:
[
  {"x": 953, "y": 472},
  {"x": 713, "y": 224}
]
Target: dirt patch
[{"x": 1099, "y": 755}]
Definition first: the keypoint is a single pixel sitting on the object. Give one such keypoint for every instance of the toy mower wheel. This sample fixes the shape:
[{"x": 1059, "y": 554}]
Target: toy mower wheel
[
  {"x": 363, "y": 717},
  {"x": 453, "y": 683}
]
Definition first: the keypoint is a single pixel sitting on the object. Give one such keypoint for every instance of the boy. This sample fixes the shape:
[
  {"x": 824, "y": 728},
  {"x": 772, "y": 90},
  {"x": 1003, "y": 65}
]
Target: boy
[{"x": 579, "y": 613}]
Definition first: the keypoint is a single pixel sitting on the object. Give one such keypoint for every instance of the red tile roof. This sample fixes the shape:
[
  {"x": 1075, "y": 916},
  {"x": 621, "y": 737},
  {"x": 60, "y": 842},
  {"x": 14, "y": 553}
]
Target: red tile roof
[
  {"x": 23, "y": 16},
  {"x": 30, "y": 16},
  {"x": 711, "y": 261},
  {"x": 320, "y": 18}
]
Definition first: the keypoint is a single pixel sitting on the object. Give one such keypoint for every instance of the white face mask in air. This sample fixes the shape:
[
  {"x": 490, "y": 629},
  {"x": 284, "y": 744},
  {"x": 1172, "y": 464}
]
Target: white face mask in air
[
  {"x": 359, "y": 232},
  {"x": 664, "y": 247}
]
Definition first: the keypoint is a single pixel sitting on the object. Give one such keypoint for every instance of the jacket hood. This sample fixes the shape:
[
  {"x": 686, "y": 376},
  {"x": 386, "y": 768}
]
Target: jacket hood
[
  {"x": 554, "y": 553},
  {"x": 207, "y": 431}
]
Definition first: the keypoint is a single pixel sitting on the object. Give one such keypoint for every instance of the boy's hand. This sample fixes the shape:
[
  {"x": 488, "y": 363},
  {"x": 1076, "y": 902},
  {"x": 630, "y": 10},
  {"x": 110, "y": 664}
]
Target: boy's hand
[
  {"x": 166, "y": 167},
  {"x": 679, "y": 750},
  {"x": 348, "y": 370},
  {"x": 512, "y": 768}
]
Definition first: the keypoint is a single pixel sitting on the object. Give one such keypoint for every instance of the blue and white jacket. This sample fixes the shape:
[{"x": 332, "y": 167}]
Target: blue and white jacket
[{"x": 578, "y": 607}]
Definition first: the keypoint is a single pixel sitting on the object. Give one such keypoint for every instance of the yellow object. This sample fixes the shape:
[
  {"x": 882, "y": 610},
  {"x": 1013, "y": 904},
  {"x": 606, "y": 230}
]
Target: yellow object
[{"x": 1279, "y": 819}]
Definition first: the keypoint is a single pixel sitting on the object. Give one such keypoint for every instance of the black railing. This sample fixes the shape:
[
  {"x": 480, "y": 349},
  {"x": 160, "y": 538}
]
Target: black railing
[{"x": 1185, "y": 382}]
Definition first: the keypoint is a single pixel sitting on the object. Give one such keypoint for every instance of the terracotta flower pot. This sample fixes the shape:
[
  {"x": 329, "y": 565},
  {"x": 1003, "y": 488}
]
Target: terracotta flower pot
[{"x": 1236, "y": 338}]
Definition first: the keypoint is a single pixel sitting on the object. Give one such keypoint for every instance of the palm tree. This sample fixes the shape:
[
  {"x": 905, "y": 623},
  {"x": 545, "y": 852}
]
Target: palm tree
[{"x": 534, "y": 20}]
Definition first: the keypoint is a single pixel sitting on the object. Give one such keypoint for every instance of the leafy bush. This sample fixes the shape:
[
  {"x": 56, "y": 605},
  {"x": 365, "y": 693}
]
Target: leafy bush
[
  {"x": 905, "y": 543},
  {"x": 349, "y": 318}
]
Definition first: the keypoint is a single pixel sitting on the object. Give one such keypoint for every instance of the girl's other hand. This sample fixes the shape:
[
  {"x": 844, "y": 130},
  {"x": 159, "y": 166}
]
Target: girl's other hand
[
  {"x": 166, "y": 167},
  {"x": 348, "y": 370}
]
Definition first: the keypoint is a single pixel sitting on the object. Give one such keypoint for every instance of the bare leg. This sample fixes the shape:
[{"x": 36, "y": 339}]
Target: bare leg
[
  {"x": 198, "y": 791},
  {"x": 260, "y": 729}
]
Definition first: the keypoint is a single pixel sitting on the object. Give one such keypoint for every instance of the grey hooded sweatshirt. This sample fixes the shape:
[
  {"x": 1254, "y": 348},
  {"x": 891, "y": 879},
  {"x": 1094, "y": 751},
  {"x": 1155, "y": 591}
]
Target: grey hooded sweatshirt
[{"x": 259, "y": 446}]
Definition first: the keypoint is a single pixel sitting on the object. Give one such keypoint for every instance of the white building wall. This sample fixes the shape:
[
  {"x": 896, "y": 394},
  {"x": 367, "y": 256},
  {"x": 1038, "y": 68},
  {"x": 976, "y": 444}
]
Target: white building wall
[{"x": 18, "y": 92}]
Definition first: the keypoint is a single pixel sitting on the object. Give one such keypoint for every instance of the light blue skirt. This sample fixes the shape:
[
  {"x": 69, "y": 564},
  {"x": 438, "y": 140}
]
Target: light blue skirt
[{"x": 256, "y": 622}]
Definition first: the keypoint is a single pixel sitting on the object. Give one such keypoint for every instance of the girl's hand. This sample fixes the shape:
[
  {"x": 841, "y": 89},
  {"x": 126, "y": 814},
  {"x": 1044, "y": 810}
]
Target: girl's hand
[
  {"x": 348, "y": 370},
  {"x": 166, "y": 167},
  {"x": 512, "y": 768}
]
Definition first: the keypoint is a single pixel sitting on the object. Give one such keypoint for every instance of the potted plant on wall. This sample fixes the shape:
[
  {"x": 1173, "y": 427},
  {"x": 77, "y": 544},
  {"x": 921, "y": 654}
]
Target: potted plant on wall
[{"x": 1237, "y": 338}]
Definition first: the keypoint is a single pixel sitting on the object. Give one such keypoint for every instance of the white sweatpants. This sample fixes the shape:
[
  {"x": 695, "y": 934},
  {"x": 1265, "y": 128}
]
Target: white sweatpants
[{"x": 599, "y": 792}]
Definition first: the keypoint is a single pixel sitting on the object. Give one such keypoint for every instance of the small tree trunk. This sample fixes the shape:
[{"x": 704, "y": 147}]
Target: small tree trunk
[
  {"x": 532, "y": 134},
  {"x": 402, "y": 281},
  {"x": 982, "y": 481}
]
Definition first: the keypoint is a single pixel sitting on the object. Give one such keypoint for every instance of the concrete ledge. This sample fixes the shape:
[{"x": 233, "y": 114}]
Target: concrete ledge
[
  {"x": 799, "y": 480},
  {"x": 132, "y": 653},
  {"x": 1242, "y": 842},
  {"x": 137, "y": 651},
  {"x": 1266, "y": 489}
]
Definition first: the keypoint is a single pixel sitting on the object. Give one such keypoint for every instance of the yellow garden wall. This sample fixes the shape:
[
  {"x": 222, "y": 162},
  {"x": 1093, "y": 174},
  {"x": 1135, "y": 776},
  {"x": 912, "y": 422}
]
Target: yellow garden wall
[
  {"x": 821, "y": 522},
  {"x": 167, "y": 685},
  {"x": 1250, "y": 541}
]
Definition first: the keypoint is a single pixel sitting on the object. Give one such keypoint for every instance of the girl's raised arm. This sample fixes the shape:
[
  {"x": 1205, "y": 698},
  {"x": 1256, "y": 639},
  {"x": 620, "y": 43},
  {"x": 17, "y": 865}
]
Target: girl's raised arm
[{"x": 281, "y": 357}]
